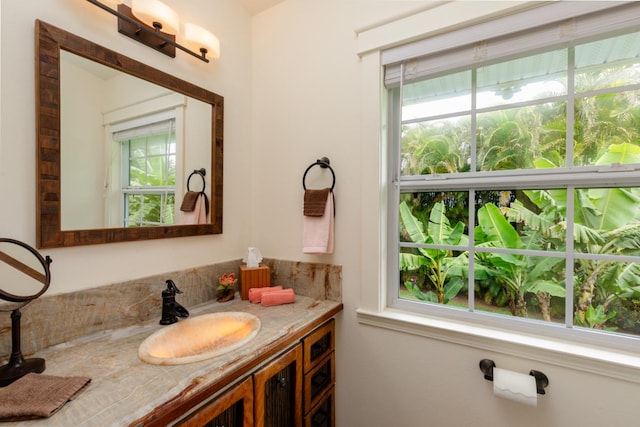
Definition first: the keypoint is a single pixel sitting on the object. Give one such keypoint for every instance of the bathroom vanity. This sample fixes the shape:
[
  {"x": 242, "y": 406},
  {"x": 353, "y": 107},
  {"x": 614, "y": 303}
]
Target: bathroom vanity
[
  {"x": 297, "y": 385},
  {"x": 287, "y": 370}
]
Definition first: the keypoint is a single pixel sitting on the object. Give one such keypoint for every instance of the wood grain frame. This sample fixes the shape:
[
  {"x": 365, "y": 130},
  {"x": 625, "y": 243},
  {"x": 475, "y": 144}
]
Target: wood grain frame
[{"x": 50, "y": 40}]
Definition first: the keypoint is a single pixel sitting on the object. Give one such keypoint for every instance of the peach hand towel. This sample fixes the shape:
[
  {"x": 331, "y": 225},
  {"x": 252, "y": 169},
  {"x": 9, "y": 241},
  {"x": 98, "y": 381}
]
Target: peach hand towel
[
  {"x": 285, "y": 296},
  {"x": 317, "y": 231},
  {"x": 199, "y": 213},
  {"x": 255, "y": 294}
]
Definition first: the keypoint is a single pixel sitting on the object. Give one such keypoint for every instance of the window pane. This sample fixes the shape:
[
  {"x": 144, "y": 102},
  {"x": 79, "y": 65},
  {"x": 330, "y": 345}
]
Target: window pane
[
  {"x": 608, "y": 296},
  {"x": 520, "y": 285},
  {"x": 435, "y": 276},
  {"x": 168, "y": 211},
  {"x": 429, "y": 273},
  {"x": 607, "y": 221},
  {"x": 137, "y": 172},
  {"x": 137, "y": 148},
  {"x": 608, "y": 129},
  {"x": 523, "y": 79},
  {"x": 608, "y": 63},
  {"x": 437, "y": 218},
  {"x": 521, "y": 219},
  {"x": 438, "y": 146},
  {"x": 438, "y": 96},
  {"x": 157, "y": 171},
  {"x": 157, "y": 145},
  {"x": 517, "y": 137}
]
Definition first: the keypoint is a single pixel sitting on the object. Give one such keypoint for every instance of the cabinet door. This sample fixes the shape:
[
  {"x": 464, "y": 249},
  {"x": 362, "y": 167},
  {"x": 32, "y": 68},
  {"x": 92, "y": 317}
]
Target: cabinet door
[
  {"x": 232, "y": 409},
  {"x": 278, "y": 391}
]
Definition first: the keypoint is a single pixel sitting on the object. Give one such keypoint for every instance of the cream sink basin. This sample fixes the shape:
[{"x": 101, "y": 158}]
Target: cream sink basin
[{"x": 199, "y": 338}]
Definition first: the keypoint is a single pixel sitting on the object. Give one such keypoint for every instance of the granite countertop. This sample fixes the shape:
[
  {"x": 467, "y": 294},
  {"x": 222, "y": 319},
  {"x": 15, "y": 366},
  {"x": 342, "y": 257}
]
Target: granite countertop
[{"x": 124, "y": 389}]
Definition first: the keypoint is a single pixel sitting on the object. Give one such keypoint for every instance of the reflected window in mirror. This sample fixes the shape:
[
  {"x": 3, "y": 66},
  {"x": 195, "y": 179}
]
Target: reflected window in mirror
[{"x": 146, "y": 169}]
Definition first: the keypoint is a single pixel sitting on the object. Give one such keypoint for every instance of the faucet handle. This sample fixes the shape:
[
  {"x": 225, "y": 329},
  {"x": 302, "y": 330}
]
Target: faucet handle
[{"x": 172, "y": 288}]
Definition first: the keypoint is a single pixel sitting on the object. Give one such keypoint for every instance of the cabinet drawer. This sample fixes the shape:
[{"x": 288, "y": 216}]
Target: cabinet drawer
[
  {"x": 319, "y": 380},
  {"x": 233, "y": 409},
  {"x": 323, "y": 414},
  {"x": 318, "y": 344}
]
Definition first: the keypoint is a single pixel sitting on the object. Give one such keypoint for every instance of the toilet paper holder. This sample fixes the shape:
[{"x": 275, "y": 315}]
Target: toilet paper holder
[{"x": 487, "y": 365}]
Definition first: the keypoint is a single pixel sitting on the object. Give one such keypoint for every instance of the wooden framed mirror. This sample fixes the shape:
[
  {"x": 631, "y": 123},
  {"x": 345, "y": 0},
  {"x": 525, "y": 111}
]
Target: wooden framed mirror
[{"x": 53, "y": 229}]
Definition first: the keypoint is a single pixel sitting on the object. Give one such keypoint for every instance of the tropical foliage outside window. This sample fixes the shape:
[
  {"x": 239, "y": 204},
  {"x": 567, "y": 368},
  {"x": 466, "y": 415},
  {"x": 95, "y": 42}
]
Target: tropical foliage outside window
[
  {"x": 149, "y": 167},
  {"x": 519, "y": 187}
]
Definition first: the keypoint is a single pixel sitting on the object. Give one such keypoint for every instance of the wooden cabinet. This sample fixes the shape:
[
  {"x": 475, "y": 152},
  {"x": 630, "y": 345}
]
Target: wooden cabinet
[
  {"x": 295, "y": 389},
  {"x": 278, "y": 391},
  {"x": 319, "y": 376},
  {"x": 234, "y": 408}
]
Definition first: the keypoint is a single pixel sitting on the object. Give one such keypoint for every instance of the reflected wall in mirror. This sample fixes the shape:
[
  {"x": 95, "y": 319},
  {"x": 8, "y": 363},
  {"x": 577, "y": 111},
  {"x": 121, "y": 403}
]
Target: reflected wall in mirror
[{"x": 117, "y": 141}]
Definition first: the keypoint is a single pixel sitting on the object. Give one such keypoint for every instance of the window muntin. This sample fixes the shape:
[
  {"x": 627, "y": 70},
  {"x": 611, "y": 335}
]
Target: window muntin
[{"x": 537, "y": 261}]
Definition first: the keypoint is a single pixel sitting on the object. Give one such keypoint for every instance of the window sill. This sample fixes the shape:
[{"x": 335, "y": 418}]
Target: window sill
[{"x": 592, "y": 359}]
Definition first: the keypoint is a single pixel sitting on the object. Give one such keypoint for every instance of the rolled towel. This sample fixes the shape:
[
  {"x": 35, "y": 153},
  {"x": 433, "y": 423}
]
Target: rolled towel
[
  {"x": 255, "y": 294},
  {"x": 285, "y": 296}
]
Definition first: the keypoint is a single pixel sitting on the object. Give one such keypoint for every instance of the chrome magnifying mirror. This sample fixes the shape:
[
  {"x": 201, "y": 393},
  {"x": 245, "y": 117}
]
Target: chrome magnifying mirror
[{"x": 24, "y": 276}]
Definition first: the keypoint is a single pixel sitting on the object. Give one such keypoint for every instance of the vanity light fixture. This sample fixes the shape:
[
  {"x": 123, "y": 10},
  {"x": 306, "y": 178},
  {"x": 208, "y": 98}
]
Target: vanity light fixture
[{"x": 154, "y": 24}]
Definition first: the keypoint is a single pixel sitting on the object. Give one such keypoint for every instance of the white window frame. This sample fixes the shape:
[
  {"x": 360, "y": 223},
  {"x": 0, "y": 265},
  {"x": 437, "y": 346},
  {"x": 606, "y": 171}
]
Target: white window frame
[
  {"x": 170, "y": 105},
  {"x": 375, "y": 308}
]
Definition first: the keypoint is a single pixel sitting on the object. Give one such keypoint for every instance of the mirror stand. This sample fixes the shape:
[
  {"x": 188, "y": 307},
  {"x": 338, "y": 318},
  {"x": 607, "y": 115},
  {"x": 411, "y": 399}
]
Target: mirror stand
[
  {"x": 24, "y": 276},
  {"x": 18, "y": 366}
]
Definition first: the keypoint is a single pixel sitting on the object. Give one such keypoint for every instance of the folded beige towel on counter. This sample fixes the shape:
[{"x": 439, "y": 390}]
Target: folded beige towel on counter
[{"x": 38, "y": 396}]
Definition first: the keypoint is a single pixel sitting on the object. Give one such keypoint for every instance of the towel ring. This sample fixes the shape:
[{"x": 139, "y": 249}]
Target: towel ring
[
  {"x": 202, "y": 172},
  {"x": 323, "y": 163}
]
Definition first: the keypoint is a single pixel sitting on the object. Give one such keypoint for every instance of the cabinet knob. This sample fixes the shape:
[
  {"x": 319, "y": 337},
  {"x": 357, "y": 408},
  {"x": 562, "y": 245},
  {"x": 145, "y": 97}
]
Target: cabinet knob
[{"x": 282, "y": 382}]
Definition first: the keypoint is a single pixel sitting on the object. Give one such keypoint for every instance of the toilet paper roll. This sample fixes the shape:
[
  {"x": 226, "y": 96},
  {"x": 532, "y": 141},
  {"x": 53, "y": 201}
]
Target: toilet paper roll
[{"x": 515, "y": 386}]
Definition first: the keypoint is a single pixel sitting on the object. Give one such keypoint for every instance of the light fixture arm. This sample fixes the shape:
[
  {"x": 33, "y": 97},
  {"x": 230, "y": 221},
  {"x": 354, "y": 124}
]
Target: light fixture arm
[{"x": 151, "y": 32}]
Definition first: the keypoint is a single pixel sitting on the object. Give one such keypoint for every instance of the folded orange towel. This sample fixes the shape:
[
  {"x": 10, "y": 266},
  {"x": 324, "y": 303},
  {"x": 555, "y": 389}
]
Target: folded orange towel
[
  {"x": 255, "y": 294},
  {"x": 286, "y": 296}
]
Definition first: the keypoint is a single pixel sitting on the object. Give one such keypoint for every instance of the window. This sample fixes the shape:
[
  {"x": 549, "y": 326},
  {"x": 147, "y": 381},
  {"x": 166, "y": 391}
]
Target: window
[
  {"x": 148, "y": 169},
  {"x": 515, "y": 172}
]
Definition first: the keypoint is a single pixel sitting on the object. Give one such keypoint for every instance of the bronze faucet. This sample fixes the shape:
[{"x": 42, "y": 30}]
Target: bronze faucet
[{"x": 171, "y": 310}]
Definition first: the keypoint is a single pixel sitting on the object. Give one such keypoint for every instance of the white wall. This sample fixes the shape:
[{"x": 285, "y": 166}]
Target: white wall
[
  {"x": 313, "y": 96},
  {"x": 230, "y": 76}
]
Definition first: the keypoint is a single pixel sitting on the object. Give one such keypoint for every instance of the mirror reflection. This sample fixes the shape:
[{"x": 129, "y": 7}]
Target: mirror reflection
[
  {"x": 117, "y": 141},
  {"x": 24, "y": 274},
  {"x": 127, "y": 147}
]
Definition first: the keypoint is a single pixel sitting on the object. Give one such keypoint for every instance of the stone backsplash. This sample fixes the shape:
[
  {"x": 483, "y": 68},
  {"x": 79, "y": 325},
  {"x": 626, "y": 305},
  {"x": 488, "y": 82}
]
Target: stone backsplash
[{"x": 52, "y": 320}]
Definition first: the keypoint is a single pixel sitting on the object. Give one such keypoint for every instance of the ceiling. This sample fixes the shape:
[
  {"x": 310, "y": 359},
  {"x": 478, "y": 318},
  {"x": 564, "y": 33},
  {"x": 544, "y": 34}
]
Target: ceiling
[{"x": 256, "y": 6}]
